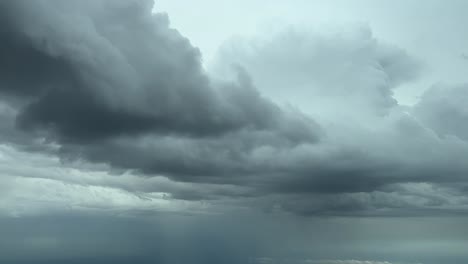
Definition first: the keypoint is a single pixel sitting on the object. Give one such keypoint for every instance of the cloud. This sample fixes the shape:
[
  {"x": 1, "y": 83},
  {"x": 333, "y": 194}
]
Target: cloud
[
  {"x": 107, "y": 75},
  {"x": 99, "y": 77},
  {"x": 442, "y": 109},
  {"x": 111, "y": 83},
  {"x": 270, "y": 260},
  {"x": 118, "y": 146},
  {"x": 325, "y": 73}
]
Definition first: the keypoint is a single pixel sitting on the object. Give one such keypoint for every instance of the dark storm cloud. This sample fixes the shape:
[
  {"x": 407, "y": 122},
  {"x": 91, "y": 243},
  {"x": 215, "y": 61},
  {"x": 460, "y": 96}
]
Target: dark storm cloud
[
  {"x": 110, "y": 82},
  {"x": 103, "y": 76},
  {"x": 101, "y": 69},
  {"x": 117, "y": 147}
]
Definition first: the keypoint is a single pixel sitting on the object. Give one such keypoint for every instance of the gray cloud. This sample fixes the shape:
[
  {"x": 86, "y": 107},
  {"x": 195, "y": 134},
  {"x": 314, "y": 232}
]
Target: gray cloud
[
  {"x": 443, "y": 109},
  {"x": 109, "y": 82},
  {"x": 98, "y": 76},
  {"x": 108, "y": 75},
  {"x": 118, "y": 146}
]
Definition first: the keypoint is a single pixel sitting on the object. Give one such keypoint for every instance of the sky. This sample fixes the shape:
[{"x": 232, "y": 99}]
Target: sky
[{"x": 287, "y": 132}]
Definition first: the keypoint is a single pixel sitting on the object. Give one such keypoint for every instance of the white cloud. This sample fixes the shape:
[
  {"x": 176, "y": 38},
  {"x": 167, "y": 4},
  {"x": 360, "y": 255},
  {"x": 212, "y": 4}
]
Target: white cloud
[
  {"x": 324, "y": 74},
  {"x": 34, "y": 183},
  {"x": 266, "y": 260}
]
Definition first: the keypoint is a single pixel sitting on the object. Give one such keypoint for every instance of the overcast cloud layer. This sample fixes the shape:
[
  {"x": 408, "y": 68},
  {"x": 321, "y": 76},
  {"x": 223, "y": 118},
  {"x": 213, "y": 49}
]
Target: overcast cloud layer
[{"x": 108, "y": 111}]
